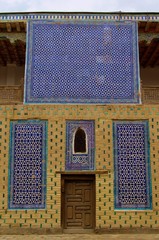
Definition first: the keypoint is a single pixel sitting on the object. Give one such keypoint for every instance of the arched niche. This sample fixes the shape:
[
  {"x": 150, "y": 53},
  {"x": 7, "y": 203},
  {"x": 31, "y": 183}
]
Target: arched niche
[{"x": 80, "y": 142}]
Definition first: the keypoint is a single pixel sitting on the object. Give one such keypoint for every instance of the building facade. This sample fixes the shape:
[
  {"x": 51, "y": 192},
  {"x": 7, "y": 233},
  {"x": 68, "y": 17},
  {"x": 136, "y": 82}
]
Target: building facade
[{"x": 79, "y": 126}]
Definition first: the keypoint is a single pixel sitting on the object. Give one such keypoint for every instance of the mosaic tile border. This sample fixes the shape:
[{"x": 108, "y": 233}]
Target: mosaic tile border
[
  {"x": 148, "y": 183},
  {"x": 80, "y": 161},
  {"x": 41, "y": 205},
  {"x": 105, "y": 16},
  {"x": 100, "y": 86}
]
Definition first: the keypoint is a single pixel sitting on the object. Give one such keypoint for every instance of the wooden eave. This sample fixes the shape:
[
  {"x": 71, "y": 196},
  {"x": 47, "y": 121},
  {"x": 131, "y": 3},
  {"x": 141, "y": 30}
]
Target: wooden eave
[
  {"x": 14, "y": 52},
  {"x": 148, "y": 27},
  {"x": 13, "y": 27}
]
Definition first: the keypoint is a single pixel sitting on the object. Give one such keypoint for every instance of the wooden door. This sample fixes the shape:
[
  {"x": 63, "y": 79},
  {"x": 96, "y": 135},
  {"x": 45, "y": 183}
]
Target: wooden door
[{"x": 79, "y": 207}]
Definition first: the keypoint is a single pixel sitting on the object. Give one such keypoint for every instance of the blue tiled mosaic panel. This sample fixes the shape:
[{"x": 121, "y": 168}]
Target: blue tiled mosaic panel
[
  {"x": 82, "y": 61},
  {"x": 79, "y": 161},
  {"x": 131, "y": 164},
  {"x": 27, "y": 184}
]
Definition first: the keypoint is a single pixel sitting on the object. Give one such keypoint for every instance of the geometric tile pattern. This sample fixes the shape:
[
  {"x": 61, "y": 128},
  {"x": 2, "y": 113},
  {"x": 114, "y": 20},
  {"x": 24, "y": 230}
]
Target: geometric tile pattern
[
  {"x": 79, "y": 161},
  {"x": 82, "y": 61},
  {"x": 131, "y": 165},
  {"x": 27, "y": 183},
  {"x": 105, "y": 16}
]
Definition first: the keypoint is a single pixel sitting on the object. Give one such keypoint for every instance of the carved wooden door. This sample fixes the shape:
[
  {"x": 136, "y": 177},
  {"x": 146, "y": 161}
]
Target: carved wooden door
[{"x": 79, "y": 204}]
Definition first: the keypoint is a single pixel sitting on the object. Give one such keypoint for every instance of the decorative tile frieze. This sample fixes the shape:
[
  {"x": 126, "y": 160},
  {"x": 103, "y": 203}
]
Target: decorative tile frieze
[{"x": 107, "y": 16}]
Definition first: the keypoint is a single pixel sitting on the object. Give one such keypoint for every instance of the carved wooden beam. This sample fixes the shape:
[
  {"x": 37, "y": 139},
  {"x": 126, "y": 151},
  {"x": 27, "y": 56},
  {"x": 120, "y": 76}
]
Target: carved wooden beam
[
  {"x": 152, "y": 60},
  {"x": 148, "y": 53},
  {"x": 142, "y": 48},
  {"x": 10, "y": 51},
  {"x": 20, "y": 50},
  {"x": 18, "y": 26},
  {"x": 9, "y": 28},
  {"x": 147, "y": 27},
  {"x": 17, "y": 59},
  {"x": 157, "y": 27},
  {"x": 14, "y": 27},
  {"x": 4, "y": 52}
]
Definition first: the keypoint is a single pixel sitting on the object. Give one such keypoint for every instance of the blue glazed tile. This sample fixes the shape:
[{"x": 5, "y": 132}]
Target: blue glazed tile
[
  {"x": 132, "y": 183},
  {"x": 77, "y": 161},
  {"x": 82, "y": 61},
  {"x": 27, "y": 183}
]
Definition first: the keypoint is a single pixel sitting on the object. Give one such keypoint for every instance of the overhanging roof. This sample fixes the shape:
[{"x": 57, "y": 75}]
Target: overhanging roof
[{"x": 14, "y": 51}]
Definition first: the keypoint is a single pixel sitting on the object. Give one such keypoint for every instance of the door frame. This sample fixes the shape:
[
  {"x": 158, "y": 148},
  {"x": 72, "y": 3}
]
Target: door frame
[{"x": 84, "y": 177}]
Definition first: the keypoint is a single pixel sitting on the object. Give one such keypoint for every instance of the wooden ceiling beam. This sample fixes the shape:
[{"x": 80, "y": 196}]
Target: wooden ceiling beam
[
  {"x": 142, "y": 48},
  {"x": 20, "y": 50},
  {"x": 12, "y": 52},
  {"x": 16, "y": 47},
  {"x": 142, "y": 45},
  {"x": 5, "y": 53},
  {"x": 139, "y": 25},
  {"x": 148, "y": 53},
  {"x": 147, "y": 27},
  {"x": 151, "y": 61},
  {"x": 8, "y": 26},
  {"x": 17, "y": 58},
  {"x": 157, "y": 27},
  {"x": 18, "y": 28}
]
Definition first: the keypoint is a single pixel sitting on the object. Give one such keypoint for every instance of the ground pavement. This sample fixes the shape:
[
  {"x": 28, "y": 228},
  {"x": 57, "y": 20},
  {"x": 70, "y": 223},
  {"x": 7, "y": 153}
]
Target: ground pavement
[{"x": 82, "y": 237}]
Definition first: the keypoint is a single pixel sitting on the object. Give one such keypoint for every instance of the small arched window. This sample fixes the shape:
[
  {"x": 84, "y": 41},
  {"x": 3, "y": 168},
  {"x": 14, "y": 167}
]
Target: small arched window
[{"x": 80, "y": 145}]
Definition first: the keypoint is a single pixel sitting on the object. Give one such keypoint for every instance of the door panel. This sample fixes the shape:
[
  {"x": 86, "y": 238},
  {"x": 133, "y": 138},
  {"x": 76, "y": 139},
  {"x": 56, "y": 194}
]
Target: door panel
[{"x": 78, "y": 203}]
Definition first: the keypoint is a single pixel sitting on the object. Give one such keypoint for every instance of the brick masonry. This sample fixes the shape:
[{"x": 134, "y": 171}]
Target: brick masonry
[{"x": 56, "y": 115}]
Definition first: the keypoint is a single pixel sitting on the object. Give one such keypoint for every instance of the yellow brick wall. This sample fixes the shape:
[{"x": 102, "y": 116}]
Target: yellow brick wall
[{"x": 106, "y": 216}]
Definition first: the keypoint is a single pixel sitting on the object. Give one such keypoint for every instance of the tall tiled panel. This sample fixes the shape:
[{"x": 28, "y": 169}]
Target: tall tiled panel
[
  {"x": 27, "y": 183},
  {"x": 131, "y": 165}
]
